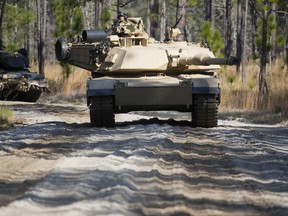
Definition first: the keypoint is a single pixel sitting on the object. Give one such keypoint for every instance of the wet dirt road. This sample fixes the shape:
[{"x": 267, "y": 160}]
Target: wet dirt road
[{"x": 55, "y": 164}]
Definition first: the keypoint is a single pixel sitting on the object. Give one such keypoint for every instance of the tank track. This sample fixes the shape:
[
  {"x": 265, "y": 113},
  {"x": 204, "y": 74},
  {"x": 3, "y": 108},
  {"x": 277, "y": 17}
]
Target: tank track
[
  {"x": 102, "y": 111},
  {"x": 205, "y": 110},
  {"x": 26, "y": 93}
]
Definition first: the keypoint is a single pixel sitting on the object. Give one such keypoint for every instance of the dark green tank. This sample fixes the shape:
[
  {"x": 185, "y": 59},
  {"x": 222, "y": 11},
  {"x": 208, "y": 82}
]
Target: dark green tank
[{"x": 17, "y": 82}]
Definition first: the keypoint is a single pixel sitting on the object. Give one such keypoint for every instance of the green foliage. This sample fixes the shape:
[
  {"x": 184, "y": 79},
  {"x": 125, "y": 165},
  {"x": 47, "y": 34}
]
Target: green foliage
[
  {"x": 191, "y": 3},
  {"x": 188, "y": 3},
  {"x": 105, "y": 17},
  {"x": 69, "y": 19},
  {"x": 6, "y": 118},
  {"x": 271, "y": 27},
  {"x": 231, "y": 78},
  {"x": 15, "y": 23},
  {"x": 251, "y": 85},
  {"x": 67, "y": 70},
  {"x": 259, "y": 33},
  {"x": 214, "y": 38},
  {"x": 280, "y": 40},
  {"x": 262, "y": 6},
  {"x": 271, "y": 23},
  {"x": 11, "y": 47},
  {"x": 77, "y": 24},
  {"x": 206, "y": 31},
  {"x": 16, "y": 17}
]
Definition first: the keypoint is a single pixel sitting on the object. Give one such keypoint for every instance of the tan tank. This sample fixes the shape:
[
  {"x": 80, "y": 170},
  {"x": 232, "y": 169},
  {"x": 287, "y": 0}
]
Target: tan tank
[{"x": 132, "y": 72}]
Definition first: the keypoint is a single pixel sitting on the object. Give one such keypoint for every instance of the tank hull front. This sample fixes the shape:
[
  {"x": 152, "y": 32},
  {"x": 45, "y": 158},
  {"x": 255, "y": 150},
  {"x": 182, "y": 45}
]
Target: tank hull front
[{"x": 149, "y": 93}]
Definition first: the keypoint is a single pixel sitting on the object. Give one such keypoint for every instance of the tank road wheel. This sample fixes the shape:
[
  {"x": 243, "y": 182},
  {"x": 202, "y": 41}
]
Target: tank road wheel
[
  {"x": 101, "y": 112},
  {"x": 205, "y": 111}
]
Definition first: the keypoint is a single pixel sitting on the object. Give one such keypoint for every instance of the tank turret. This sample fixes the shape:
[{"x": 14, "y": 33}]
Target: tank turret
[
  {"x": 16, "y": 81},
  {"x": 131, "y": 71},
  {"x": 101, "y": 52}
]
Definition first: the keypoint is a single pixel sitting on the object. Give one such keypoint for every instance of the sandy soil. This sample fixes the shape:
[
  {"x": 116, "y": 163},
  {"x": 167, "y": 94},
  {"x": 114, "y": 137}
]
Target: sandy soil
[{"x": 54, "y": 163}]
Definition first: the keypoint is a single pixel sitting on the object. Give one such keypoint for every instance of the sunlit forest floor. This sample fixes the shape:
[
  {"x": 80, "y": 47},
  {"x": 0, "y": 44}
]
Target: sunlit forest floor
[{"x": 239, "y": 97}]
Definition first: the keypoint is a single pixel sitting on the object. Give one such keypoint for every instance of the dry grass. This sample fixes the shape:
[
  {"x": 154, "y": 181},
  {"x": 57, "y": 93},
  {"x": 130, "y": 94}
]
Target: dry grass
[
  {"x": 244, "y": 95},
  {"x": 71, "y": 89}
]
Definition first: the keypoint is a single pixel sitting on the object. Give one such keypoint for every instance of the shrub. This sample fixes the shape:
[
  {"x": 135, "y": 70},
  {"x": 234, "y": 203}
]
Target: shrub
[{"x": 6, "y": 118}]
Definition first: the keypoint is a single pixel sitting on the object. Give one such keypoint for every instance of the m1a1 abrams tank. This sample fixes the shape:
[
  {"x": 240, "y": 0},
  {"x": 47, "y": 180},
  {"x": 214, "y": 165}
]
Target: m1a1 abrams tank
[
  {"x": 132, "y": 72},
  {"x": 17, "y": 83}
]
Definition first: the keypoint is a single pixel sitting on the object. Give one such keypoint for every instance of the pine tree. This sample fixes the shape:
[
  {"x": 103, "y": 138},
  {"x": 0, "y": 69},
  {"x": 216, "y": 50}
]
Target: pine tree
[
  {"x": 213, "y": 37},
  {"x": 68, "y": 23}
]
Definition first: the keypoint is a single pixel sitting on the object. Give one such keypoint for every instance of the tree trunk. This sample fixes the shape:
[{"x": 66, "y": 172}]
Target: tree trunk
[
  {"x": 239, "y": 34},
  {"x": 39, "y": 39},
  {"x": 148, "y": 18},
  {"x": 44, "y": 32},
  {"x": 262, "y": 78},
  {"x": 210, "y": 13},
  {"x": 285, "y": 45},
  {"x": 254, "y": 27},
  {"x": 181, "y": 15},
  {"x": 118, "y": 6},
  {"x": 273, "y": 34},
  {"x": 27, "y": 33},
  {"x": 98, "y": 10},
  {"x": 208, "y": 10},
  {"x": 155, "y": 19},
  {"x": 163, "y": 20},
  {"x": 2, "y": 7},
  {"x": 228, "y": 28},
  {"x": 243, "y": 57},
  {"x": 16, "y": 27}
]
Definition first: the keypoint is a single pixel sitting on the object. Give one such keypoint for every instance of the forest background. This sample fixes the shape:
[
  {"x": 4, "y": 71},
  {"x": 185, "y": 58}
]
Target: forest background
[{"x": 255, "y": 31}]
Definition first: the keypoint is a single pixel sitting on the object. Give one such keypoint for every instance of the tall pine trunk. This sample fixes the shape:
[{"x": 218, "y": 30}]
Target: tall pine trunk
[
  {"x": 239, "y": 34},
  {"x": 181, "y": 14},
  {"x": 254, "y": 27},
  {"x": 98, "y": 10},
  {"x": 262, "y": 74},
  {"x": 243, "y": 56},
  {"x": 155, "y": 19},
  {"x": 2, "y": 7},
  {"x": 210, "y": 13},
  {"x": 39, "y": 35},
  {"x": 148, "y": 17},
  {"x": 162, "y": 20},
  {"x": 228, "y": 28}
]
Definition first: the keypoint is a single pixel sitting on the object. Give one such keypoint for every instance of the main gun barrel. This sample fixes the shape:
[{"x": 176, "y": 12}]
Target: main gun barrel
[
  {"x": 206, "y": 60},
  {"x": 221, "y": 61}
]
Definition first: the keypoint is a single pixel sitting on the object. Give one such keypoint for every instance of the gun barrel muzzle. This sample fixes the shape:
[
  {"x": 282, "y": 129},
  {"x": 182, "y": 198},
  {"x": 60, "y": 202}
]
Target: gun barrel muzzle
[{"x": 61, "y": 49}]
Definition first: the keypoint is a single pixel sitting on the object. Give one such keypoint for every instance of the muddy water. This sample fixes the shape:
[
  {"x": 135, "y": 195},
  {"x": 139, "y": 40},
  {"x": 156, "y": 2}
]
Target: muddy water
[{"x": 53, "y": 163}]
